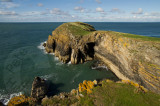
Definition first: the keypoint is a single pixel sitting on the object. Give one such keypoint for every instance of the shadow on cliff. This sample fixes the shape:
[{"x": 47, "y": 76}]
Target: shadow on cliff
[{"x": 53, "y": 88}]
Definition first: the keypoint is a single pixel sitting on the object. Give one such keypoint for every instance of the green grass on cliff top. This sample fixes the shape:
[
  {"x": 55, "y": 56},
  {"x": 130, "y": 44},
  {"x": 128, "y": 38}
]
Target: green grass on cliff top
[
  {"x": 110, "y": 94},
  {"x": 119, "y": 94},
  {"x": 128, "y": 35},
  {"x": 78, "y": 29}
]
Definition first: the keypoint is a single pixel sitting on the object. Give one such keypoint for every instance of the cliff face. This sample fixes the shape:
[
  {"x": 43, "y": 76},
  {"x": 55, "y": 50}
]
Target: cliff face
[
  {"x": 130, "y": 57},
  {"x": 136, "y": 59},
  {"x": 70, "y": 42}
]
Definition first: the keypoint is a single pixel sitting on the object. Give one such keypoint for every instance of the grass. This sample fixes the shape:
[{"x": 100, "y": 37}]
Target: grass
[
  {"x": 119, "y": 94},
  {"x": 106, "y": 93},
  {"x": 144, "y": 38},
  {"x": 61, "y": 102},
  {"x": 78, "y": 31}
]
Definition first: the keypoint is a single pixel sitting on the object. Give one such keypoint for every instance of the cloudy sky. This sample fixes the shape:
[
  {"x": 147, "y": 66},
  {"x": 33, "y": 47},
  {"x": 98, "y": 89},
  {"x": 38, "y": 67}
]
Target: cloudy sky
[{"x": 80, "y": 10}]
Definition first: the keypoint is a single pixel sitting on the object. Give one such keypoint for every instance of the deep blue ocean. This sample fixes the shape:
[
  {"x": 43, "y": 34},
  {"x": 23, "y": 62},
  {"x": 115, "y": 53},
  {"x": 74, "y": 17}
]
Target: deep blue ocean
[{"x": 22, "y": 57}]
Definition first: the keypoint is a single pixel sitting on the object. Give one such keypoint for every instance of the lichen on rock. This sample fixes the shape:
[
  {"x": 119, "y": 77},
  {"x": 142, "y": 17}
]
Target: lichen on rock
[
  {"x": 69, "y": 43},
  {"x": 128, "y": 56}
]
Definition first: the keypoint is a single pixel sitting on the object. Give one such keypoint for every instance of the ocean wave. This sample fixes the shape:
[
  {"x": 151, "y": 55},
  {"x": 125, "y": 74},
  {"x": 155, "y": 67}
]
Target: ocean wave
[
  {"x": 5, "y": 98},
  {"x": 41, "y": 47},
  {"x": 69, "y": 63},
  {"x": 51, "y": 53},
  {"x": 46, "y": 77},
  {"x": 59, "y": 63},
  {"x": 56, "y": 58},
  {"x": 98, "y": 67}
]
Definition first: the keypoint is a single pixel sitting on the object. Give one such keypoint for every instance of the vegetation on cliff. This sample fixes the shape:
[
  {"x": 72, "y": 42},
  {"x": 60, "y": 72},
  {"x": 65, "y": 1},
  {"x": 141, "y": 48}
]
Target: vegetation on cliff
[
  {"x": 130, "y": 57},
  {"x": 69, "y": 42},
  {"x": 106, "y": 93}
]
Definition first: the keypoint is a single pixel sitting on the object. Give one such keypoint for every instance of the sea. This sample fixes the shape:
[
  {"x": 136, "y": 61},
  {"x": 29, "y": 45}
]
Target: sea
[{"x": 22, "y": 57}]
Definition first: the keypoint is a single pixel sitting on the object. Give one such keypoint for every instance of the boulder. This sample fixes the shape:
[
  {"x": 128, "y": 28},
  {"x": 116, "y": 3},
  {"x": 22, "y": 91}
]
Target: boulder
[
  {"x": 1, "y": 104},
  {"x": 39, "y": 88},
  {"x": 44, "y": 44}
]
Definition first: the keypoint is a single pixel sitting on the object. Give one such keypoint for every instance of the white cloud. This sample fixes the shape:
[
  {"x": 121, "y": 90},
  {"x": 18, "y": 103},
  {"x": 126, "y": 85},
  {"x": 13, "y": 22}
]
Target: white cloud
[
  {"x": 31, "y": 13},
  {"x": 116, "y": 10},
  {"x": 81, "y": 9},
  {"x": 57, "y": 11},
  {"x": 5, "y": 0},
  {"x": 140, "y": 11},
  {"x": 98, "y": 1},
  {"x": 8, "y": 13},
  {"x": 7, "y": 5},
  {"x": 40, "y": 5},
  {"x": 152, "y": 14},
  {"x": 99, "y": 9}
]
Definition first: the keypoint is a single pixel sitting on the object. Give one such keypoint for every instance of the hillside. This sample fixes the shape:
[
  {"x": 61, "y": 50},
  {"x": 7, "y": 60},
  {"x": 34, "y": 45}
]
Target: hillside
[
  {"x": 130, "y": 57},
  {"x": 134, "y": 59}
]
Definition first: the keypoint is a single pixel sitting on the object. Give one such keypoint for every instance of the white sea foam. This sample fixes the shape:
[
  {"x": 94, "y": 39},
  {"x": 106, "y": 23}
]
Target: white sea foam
[
  {"x": 51, "y": 53},
  {"x": 5, "y": 98},
  {"x": 56, "y": 58},
  {"x": 42, "y": 47},
  {"x": 104, "y": 67},
  {"x": 59, "y": 63},
  {"x": 69, "y": 63},
  {"x": 46, "y": 77}
]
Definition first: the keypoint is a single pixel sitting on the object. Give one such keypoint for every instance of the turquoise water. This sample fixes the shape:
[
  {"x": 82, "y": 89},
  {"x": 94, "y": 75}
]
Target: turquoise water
[{"x": 22, "y": 57}]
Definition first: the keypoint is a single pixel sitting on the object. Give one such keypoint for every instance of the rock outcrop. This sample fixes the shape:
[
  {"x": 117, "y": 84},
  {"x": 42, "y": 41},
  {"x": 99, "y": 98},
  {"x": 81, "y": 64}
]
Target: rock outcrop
[
  {"x": 39, "y": 88},
  {"x": 1, "y": 104},
  {"x": 130, "y": 57},
  {"x": 70, "y": 42},
  {"x": 136, "y": 59}
]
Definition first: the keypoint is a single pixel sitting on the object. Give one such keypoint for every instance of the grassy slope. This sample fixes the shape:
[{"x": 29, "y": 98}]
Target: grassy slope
[
  {"x": 132, "y": 36},
  {"x": 79, "y": 29},
  {"x": 108, "y": 94},
  {"x": 119, "y": 94}
]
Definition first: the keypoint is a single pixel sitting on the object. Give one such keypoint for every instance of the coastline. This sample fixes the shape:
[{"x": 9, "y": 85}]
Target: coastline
[{"x": 125, "y": 45}]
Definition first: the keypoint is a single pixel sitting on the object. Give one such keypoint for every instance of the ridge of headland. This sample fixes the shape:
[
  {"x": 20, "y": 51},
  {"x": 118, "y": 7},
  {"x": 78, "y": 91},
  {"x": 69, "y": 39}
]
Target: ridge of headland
[{"x": 130, "y": 57}]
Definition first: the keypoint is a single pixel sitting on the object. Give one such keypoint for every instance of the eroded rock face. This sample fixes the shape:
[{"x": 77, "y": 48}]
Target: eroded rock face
[
  {"x": 68, "y": 45},
  {"x": 39, "y": 88},
  {"x": 130, "y": 59},
  {"x": 50, "y": 45}
]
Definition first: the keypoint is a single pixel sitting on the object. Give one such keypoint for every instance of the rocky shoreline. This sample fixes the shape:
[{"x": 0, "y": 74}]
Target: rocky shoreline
[
  {"x": 39, "y": 93},
  {"x": 133, "y": 59},
  {"x": 130, "y": 57}
]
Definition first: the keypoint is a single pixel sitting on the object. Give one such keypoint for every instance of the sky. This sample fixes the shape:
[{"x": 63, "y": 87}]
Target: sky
[{"x": 80, "y": 10}]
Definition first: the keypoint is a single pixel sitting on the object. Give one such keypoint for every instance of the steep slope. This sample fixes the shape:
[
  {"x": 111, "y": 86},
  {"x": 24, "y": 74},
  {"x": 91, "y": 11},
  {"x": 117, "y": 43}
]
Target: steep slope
[
  {"x": 69, "y": 42},
  {"x": 130, "y": 57}
]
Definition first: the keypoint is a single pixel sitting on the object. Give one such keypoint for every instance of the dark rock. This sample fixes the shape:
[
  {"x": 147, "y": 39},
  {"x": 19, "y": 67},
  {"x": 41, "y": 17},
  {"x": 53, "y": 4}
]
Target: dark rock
[
  {"x": 70, "y": 46},
  {"x": 39, "y": 88},
  {"x": 44, "y": 44},
  {"x": 1, "y": 104}
]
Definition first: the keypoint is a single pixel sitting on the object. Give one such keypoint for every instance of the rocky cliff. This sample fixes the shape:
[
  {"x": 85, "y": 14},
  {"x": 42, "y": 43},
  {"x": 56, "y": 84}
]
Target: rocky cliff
[
  {"x": 70, "y": 42},
  {"x": 130, "y": 57}
]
